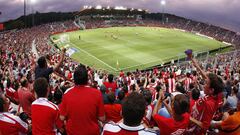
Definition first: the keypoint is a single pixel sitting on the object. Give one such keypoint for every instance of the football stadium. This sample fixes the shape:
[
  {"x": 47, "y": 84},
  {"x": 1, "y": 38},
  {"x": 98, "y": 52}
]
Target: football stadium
[
  {"x": 130, "y": 48},
  {"x": 119, "y": 70}
]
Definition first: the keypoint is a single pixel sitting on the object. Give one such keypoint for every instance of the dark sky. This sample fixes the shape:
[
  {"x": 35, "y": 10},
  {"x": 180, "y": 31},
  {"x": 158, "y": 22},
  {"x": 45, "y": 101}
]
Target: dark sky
[{"x": 225, "y": 13}]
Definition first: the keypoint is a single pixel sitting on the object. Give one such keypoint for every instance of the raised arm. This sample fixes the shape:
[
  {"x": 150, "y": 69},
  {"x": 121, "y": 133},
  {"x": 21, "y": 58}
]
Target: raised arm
[
  {"x": 159, "y": 103},
  {"x": 61, "y": 60},
  {"x": 195, "y": 64}
]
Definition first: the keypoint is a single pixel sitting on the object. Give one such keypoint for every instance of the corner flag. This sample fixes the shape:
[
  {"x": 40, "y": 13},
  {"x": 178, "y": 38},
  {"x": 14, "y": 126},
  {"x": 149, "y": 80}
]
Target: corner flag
[{"x": 117, "y": 65}]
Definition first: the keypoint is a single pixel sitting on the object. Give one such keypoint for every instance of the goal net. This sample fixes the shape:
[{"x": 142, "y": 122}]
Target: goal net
[{"x": 64, "y": 38}]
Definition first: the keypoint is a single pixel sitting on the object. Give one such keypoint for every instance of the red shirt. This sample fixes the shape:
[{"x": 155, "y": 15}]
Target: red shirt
[
  {"x": 69, "y": 75},
  {"x": 203, "y": 111},
  {"x": 113, "y": 112},
  {"x": 171, "y": 85},
  {"x": 187, "y": 83},
  {"x": 11, "y": 93},
  {"x": 168, "y": 126},
  {"x": 11, "y": 124},
  {"x": 122, "y": 129},
  {"x": 192, "y": 102},
  {"x": 25, "y": 99},
  {"x": 110, "y": 87},
  {"x": 82, "y": 106},
  {"x": 155, "y": 71},
  {"x": 121, "y": 74},
  {"x": 45, "y": 116}
]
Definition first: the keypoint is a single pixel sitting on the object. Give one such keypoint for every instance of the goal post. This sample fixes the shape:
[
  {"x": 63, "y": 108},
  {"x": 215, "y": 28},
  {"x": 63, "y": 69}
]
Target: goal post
[{"x": 64, "y": 38}]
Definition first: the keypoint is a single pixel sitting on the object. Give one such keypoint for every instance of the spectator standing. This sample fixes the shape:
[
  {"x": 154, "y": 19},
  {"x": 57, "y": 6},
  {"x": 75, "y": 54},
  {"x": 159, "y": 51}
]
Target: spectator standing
[
  {"x": 42, "y": 70},
  {"x": 9, "y": 123},
  {"x": 178, "y": 123},
  {"x": 187, "y": 82},
  {"x": 230, "y": 124},
  {"x": 133, "y": 111},
  {"x": 195, "y": 94},
  {"x": 104, "y": 95},
  {"x": 82, "y": 106},
  {"x": 232, "y": 100},
  {"x": 25, "y": 96},
  {"x": 204, "y": 109},
  {"x": 121, "y": 96},
  {"x": 171, "y": 83},
  {"x": 45, "y": 114},
  {"x": 112, "y": 110},
  {"x": 110, "y": 84}
]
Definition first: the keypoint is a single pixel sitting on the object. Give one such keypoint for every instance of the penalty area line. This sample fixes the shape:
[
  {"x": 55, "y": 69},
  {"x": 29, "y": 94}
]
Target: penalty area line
[{"x": 94, "y": 57}]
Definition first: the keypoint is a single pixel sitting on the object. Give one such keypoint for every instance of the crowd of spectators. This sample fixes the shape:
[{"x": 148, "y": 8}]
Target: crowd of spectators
[
  {"x": 53, "y": 94},
  {"x": 215, "y": 32},
  {"x": 212, "y": 31}
]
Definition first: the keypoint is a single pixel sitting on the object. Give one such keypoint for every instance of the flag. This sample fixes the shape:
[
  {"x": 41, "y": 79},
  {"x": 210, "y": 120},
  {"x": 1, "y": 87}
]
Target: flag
[
  {"x": 1, "y": 26},
  {"x": 117, "y": 65}
]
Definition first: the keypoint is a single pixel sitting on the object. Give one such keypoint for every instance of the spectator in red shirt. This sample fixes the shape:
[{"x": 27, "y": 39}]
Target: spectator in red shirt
[
  {"x": 82, "y": 106},
  {"x": 195, "y": 94},
  {"x": 112, "y": 110},
  {"x": 152, "y": 86},
  {"x": 133, "y": 111},
  {"x": 25, "y": 96},
  {"x": 9, "y": 123},
  {"x": 110, "y": 85},
  {"x": 149, "y": 107},
  {"x": 180, "y": 119},
  {"x": 187, "y": 82},
  {"x": 204, "y": 109},
  {"x": 171, "y": 84},
  {"x": 45, "y": 114},
  {"x": 121, "y": 74},
  {"x": 11, "y": 93}
]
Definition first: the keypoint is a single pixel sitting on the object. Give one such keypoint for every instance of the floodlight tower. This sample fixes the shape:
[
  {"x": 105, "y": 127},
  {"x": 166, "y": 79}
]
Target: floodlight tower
[
  {"x": 163, "y": 3},
  {"x": 24, "y": 10},
  {"x": 32, "y": 2}
]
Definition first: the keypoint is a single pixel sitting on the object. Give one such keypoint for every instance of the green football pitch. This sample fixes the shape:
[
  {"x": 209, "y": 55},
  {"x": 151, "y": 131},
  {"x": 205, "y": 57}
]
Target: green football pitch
[{"x": 128, "y": 48}]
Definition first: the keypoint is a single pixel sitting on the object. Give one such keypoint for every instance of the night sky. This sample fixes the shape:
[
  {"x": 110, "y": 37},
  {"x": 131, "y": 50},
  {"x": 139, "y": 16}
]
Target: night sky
[{"x": 224, "y": 13}]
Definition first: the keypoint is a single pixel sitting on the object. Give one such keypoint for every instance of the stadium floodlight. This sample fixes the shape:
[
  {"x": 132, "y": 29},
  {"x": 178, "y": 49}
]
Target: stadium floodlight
[
  {"x": 85, "y": 7},
  {"x": 163, "y": 2},
  {"x": 108, "y": 7},
  {"x": 120, "y": 8},
  {"x": 98, "y": 7},
  {"x": 33, "y": 1},
  {"x": 140, "y": 9}
]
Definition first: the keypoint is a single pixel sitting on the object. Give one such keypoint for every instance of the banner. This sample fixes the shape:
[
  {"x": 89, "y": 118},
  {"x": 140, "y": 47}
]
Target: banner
[
  {"x": 1, "y": 26},
  {"x": 71, "y": 51}
]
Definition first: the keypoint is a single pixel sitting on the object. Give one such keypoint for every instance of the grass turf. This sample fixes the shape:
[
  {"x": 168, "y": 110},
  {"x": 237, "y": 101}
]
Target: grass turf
[{"x": 133, "y": 47}]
